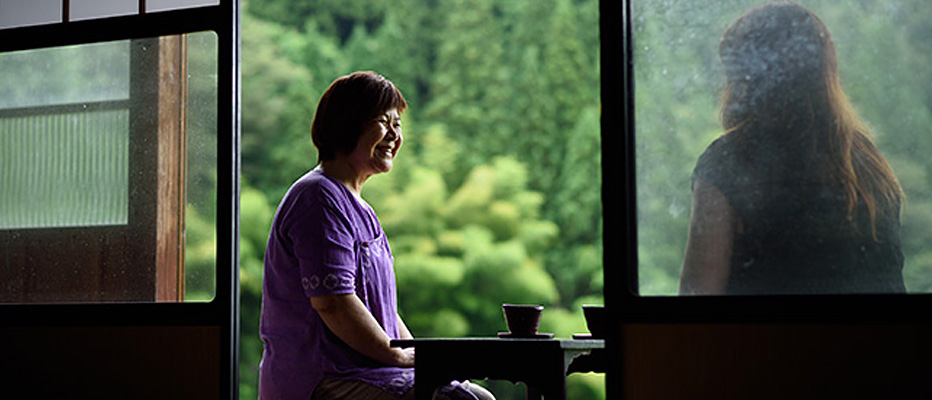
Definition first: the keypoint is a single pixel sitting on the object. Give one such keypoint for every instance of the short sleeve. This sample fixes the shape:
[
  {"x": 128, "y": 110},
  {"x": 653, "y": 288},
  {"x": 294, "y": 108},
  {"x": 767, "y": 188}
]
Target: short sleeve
[
  {"x": 324, "y": 244},
  {"x": 719, "y": 166},
  {"x": 712, "y": 164}
]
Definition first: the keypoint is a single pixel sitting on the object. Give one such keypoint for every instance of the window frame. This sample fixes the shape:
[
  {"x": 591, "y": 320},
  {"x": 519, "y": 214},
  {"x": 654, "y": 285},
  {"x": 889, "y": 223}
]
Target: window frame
[{"x": 222, "y": 313}]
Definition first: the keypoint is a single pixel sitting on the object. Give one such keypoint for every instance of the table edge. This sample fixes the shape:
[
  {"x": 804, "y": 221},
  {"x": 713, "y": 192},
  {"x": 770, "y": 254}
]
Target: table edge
[{"x": 564, "y": 343}]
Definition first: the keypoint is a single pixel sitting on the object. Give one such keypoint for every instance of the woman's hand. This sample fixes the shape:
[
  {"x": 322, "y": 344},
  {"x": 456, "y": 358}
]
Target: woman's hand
[
  {"x": 349, "y": 319},
  {"x": 405, "y": 357}
]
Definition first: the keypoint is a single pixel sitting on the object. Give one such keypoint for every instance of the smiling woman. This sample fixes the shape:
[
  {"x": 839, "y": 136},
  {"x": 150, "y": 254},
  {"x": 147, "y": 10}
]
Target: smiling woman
[
  {"x": 496, "y": 196},
  {"x": 329, "y": 308},
  {"x": 328, "y": 267},
  {"x": 377, "y": 147}
]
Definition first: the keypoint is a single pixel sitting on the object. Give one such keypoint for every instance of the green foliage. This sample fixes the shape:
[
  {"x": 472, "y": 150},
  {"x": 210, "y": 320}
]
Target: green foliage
[
  {"x": 200, "y": 256},
  {"x": 277, "y": 98},
  {"x": 255, "y": 218},
  {"x": 471, "y": 248}
]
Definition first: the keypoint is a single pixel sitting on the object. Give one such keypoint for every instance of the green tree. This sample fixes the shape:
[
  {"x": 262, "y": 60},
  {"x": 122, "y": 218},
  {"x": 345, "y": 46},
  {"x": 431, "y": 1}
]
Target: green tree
[
  {"x": 333, "y": 18},
  {"x": 276, "y": 103},
  {"x": 255, "y": 220},
  {"x": 468, "y": 81},
  {"x": 562, "y": 144},
  {"x": 402, "y": 47},
  {"x": 476, "y": 247}
]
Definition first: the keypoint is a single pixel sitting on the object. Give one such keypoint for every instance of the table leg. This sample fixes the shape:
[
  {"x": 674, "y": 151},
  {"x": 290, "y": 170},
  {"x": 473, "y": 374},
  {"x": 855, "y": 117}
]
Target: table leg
[
  {"x": 533, "y": 393},
  {"x": 426, "y": 384},
  {"x": 554, "y": 389}
]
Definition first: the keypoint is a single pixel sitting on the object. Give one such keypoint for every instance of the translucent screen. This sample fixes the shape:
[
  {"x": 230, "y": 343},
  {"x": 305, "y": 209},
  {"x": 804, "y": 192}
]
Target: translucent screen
[{"x": 770, "y": 158}]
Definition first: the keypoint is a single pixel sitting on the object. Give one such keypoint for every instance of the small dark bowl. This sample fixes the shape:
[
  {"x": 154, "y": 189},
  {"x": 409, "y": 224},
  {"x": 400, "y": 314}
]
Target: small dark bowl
[
  {"x": 595, "y": 320},
  {"x": 522, "y": 319}
]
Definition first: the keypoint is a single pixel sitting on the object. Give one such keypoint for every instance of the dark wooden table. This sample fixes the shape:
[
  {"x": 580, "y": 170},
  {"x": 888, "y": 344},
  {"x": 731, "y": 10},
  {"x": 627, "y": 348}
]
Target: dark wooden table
[{"x": 542, "y": 364}]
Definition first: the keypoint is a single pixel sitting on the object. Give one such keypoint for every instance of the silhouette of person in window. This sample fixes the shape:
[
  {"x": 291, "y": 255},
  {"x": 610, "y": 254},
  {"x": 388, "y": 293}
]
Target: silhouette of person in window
[{"x": 794, "y": 197}]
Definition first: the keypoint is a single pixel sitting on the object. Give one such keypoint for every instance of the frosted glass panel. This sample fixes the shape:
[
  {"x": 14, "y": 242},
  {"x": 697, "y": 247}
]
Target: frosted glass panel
[
  {"x": 165, "y": 5},
  {"x": 64, "y": 170},
  {"x": 66, "y": 165},
  {"x": 16, "y": 13},
  {"x": 90, "y": 9}
]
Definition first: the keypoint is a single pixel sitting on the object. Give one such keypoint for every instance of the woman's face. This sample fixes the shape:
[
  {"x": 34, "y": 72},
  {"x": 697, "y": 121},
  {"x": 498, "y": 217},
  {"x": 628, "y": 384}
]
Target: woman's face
[{"x": 378, "y": 144}]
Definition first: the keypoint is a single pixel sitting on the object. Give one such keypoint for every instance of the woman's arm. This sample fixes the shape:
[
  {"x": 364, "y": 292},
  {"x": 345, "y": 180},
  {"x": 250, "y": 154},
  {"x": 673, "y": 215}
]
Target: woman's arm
[
  {"x": 349, "y": 319},
  {"x": 712, "y": 226}
]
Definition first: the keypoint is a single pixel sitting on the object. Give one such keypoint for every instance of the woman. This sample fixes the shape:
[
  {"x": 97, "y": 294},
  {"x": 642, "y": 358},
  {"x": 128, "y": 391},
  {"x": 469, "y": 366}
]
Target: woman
[
  {"x": 329, "y": 308},
  {"x": 794, "y": 198}
]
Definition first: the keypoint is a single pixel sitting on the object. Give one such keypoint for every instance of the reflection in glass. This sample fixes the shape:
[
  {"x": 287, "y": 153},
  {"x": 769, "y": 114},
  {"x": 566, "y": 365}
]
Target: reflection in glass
[{"x": 793, "y": 197}]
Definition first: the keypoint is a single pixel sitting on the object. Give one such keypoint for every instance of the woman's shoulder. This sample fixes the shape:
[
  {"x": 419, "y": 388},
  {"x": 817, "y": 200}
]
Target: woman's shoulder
[
  {"x": 722, "y": 146},
  {"x": 317, "y": 184},
  {"x": 718, "y": 159},
  {"x": 313, "y": 197},
  {"x": 314, "y": 191}
]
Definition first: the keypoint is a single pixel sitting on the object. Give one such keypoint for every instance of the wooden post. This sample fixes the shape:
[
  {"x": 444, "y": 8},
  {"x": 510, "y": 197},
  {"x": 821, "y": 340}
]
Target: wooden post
[{"x": 169, "y": 279}]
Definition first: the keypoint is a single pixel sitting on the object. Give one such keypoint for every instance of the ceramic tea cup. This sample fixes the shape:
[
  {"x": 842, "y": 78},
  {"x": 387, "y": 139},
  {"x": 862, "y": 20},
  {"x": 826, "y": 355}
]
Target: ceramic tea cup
[
  {"x": 595, "y": 320},
  {"x": 522, "y": 319}
]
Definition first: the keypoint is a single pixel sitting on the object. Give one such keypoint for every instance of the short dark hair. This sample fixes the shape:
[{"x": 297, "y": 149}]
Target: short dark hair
[{"x": 347, "y": 106}]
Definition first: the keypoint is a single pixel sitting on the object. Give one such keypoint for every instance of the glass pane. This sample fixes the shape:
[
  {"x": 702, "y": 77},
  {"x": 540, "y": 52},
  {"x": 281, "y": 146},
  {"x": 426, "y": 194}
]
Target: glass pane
[
  {"x": 65, "y": 75},
  {"x": 770, "y": 155},
  {"x": 108, "y": 169},
  {"x": 201, "y": 180},
  {"x": 89, "y": 9},
  {"x": 16, "y": 13},
  {"x": 167, "y": 5}
]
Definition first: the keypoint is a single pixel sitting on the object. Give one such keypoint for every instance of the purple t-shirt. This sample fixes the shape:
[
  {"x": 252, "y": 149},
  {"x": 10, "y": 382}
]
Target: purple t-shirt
[{"x": 323, "y": 241}]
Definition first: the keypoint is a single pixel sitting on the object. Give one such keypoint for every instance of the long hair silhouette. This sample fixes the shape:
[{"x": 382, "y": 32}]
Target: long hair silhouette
[{"x": 784, "y": 106}]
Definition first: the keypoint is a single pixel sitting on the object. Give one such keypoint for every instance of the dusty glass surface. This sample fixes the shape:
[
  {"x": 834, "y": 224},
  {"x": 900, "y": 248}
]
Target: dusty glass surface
[
  {"x": 108, "y": 162},
  {"x": 883, "y": 55},
  {"x": 64, "y": 75},
  {"x": 201, "y": 176}
]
